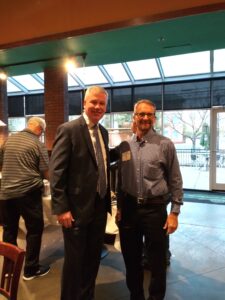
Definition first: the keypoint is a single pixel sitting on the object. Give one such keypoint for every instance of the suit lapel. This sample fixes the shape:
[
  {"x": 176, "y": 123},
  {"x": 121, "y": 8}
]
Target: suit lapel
[{"x": 87, "y": 138}]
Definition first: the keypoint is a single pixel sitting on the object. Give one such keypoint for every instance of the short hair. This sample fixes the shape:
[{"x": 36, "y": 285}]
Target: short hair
[
  {"x": 37, "y": 120},
  {"x": 95, "y": 89},
  {"x": 146, "y": 101}
]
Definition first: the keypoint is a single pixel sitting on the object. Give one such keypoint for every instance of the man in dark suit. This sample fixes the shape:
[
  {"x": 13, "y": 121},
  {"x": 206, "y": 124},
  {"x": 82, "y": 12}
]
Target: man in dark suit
[{"x": 77, "y": 198}]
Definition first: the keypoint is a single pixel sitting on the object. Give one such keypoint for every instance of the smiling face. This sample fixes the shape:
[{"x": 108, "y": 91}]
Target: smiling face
[
  {"x": 95, "y": 103},
  {"x": 144, "y": 118}
]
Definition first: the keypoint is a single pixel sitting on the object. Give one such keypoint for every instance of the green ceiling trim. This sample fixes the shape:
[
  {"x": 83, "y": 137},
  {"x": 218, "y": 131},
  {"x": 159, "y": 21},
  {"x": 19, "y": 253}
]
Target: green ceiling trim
[{"x": 177, "y": 36}]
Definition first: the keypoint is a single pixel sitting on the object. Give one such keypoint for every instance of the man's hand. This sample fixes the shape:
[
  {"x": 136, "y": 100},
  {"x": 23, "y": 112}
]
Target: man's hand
[
  {"x": 171, "y": 223},
  {"x": 66, "y": 219}
]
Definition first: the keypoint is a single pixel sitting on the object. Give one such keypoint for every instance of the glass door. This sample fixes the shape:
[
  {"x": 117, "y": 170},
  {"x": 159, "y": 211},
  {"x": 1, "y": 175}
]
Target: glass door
[{"x": 217, "y": 156}]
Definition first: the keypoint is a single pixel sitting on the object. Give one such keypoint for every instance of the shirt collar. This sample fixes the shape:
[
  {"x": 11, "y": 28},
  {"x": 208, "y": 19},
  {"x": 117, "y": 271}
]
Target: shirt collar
[
  {"x": 146, "y": 137},
  {"x": 88, "y": 121},
  {"x": 29, "y": 131}
]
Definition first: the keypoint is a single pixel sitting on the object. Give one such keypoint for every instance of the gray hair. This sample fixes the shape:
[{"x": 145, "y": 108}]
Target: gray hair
[
  {"x": 146, "y": 101},
  {"x": 95, "y": 89},
  {"x": 37, "y": 121}
]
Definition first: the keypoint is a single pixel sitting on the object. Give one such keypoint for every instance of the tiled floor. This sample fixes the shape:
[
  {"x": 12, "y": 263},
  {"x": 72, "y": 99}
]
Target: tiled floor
[{"x": 197, "y": 270}]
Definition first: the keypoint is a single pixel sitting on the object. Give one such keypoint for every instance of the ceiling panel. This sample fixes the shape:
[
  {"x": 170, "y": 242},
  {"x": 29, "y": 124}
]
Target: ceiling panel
[{"x": 177, "y": 36}]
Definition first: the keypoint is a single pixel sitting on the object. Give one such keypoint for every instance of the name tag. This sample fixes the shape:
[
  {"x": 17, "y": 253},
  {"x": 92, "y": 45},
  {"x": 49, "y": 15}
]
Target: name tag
[{"x": 126, "y": 156}]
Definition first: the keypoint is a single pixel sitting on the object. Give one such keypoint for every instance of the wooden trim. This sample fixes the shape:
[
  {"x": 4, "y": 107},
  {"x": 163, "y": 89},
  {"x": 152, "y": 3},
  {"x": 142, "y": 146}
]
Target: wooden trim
[{"x": 220, "y": 6}]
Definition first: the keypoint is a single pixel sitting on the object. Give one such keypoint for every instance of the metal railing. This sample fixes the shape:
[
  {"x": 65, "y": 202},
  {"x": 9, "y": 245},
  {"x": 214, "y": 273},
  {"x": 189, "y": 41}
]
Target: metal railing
[{"x": 199, "y": 157}]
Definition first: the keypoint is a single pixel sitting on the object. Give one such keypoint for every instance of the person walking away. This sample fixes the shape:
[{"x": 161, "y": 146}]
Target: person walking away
[{"x": 24, "y": 160}]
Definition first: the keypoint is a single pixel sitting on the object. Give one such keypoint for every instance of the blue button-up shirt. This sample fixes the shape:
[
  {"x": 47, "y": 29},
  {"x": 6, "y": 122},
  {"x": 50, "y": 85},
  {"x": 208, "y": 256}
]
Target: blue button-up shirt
[{"x": 149, "y": 168}]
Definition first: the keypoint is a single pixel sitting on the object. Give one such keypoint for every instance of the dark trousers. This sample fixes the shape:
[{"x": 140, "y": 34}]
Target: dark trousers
[
  {"x": 30, "y": 208},
  {"x": 83, "y": 246},
  {"x": 138, "y": 222}
]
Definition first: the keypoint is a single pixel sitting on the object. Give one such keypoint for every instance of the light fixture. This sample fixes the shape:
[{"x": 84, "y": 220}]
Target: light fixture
[
  {"x": 70, "y": 64},
  {"x": 3, "y": 75}
]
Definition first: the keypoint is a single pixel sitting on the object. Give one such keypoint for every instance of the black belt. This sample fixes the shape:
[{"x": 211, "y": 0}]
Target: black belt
[{"x": 144, "y": 201}]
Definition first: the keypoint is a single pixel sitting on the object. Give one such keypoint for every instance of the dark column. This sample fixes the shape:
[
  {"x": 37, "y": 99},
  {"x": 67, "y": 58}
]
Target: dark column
[{"x": 3, "y": 110}]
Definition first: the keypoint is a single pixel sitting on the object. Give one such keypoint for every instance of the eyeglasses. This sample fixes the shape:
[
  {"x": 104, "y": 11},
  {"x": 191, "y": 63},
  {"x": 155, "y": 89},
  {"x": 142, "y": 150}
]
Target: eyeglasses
[{"x": 143, "y": 114}]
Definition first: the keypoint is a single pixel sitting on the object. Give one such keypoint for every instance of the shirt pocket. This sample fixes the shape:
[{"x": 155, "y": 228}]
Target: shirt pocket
[{"x": 152, "y": 171}]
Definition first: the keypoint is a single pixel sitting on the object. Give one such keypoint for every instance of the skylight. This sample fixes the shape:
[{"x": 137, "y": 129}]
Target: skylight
[
  {"x": 90, "y": 75},
  {"x": 117, "y": 72},
  {"x": 28, "y": 82},
  {"x": 132, "y": 72},
  {"x": 186, "y": 64},
  {"x": 11, "y": 88},
  {"x": 144, "y": 69},
  {"x": 72, "y": 81},
  {"x": 41, "y": 75},
  {"x": 219, "y": 61}
]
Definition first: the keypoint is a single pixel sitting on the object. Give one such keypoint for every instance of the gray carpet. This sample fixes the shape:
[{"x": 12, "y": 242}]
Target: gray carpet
[{"x": 197, "y": 269}]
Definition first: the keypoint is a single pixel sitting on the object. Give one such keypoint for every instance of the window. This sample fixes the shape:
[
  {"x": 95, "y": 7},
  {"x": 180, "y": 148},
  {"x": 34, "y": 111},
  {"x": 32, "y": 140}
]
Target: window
[
  {"x": 16, "y": 106},
  {"x": 16, "y": 124},
  {"x": 183, "y": 95},
  {"x": 122, "y": 99},
  {"x": 218, "y": 92},
  {"x": 190, "y": 132},
  {"x": 75, "y": 105},
  {"x": 34, "y": 104}
]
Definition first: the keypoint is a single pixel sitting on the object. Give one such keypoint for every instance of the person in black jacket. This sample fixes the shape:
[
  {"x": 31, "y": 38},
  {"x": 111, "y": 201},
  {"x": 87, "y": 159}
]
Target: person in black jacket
[{"x": 78, "y": 199}]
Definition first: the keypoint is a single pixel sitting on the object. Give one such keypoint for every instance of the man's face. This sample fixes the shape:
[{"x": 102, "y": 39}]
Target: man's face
[
  {"x": 144, "y": 117},
  {"x": 95, "y": 106}
]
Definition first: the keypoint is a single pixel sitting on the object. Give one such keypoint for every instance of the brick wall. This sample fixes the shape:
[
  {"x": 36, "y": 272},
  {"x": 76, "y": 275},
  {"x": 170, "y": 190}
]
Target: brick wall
[{"x": 56, "y": 101}]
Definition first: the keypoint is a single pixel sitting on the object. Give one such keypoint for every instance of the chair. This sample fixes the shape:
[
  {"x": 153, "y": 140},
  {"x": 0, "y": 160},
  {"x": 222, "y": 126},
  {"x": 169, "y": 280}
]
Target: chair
[{"x": 12, "y": 263}]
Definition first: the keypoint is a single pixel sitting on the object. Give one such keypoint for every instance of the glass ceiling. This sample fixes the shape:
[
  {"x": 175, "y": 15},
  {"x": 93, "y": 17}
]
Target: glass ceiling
[{"x": 185, "y": 66}]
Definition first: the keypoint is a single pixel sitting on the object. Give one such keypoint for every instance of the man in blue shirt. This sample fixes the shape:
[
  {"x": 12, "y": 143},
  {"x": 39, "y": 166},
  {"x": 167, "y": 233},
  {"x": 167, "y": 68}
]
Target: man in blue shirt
[{"x": 149, "y": 175}]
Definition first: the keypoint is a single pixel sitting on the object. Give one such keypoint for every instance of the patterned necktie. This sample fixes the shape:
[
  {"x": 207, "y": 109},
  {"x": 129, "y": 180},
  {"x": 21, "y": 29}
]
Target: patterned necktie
[{"x": 100, "y": 161}]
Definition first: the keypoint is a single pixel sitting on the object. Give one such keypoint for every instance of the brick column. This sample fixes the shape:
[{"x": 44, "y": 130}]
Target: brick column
[
  {"x": 56, "y": 101},
  {"x": 3, "y": 110}
]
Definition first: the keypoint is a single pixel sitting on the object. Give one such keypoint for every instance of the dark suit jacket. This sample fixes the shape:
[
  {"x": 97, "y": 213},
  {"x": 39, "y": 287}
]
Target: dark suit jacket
[{"x": 74, "y": 171}]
